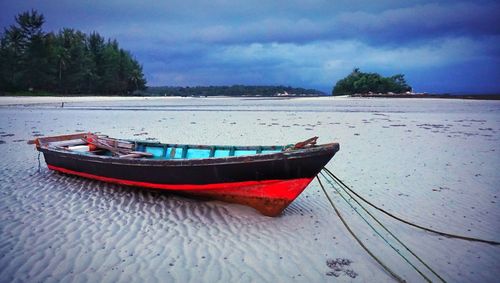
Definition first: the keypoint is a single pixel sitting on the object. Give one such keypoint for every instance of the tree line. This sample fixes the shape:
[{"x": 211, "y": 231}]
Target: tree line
[
  {"x": 69, "y": 62},
  {"x": 358, "y": 82},
  {"x": 234, "y": 90}
]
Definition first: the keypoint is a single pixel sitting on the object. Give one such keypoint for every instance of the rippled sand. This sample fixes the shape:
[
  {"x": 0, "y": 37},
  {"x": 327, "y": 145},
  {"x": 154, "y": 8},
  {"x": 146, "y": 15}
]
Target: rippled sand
[{"x": 432, "y": 161}]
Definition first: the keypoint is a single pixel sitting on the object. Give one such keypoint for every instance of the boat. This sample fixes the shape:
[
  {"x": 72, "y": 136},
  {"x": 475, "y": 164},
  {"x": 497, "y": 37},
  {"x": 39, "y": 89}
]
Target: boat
[{"x": 267, "y": 178}]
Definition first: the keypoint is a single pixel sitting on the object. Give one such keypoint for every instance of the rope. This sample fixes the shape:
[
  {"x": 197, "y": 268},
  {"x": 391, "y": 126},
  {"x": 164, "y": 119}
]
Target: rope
[
  {"x": 408, "y": 222},
  {"x": 385, "y": 240},
  {"x": 386, "y": 268},
  {"x": 378, "y": 233},
  {"x": 388, "y": 231}
]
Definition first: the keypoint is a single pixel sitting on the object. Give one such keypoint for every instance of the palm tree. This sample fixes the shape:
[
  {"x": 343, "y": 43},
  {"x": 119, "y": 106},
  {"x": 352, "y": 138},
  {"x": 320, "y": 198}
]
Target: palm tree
[
  {"x": 62, "y": 59},
  {"x": 135, "y": 76}
]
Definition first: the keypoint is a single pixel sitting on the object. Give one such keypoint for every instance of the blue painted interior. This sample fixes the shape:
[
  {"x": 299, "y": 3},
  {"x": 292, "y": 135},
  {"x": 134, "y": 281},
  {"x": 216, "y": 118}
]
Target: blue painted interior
[
  {"x": 178, "y": 153},
  {"x": 197, "y": 153},
  {"x": 168, "y": 152},
  {"x": 221, "y": 153},
  {"x": 244, "y": 152}
]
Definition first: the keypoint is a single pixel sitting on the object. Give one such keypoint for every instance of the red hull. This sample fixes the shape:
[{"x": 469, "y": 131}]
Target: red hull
[{"x": 270, "y": 197}]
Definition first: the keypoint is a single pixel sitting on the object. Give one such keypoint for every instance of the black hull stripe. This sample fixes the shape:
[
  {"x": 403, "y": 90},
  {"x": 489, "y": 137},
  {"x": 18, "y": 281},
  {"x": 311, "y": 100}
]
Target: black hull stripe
[{"x": 306, "y": 166}]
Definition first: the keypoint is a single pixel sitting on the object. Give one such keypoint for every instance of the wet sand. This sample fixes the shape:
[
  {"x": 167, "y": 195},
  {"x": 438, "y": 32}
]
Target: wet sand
[{"x": 429, "y": 160}]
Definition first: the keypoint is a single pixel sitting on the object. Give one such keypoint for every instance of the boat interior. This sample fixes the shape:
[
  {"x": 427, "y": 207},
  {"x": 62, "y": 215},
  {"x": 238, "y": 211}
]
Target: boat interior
[
  {"x": 91, "y": 144},
  {"x": 176, "y": 151}
]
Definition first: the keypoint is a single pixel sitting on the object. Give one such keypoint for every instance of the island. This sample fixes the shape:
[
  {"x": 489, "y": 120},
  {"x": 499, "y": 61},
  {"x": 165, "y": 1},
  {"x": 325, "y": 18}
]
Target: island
[
  {"x": 359, "y": 83},
  {"x": 234, "y": 90}
]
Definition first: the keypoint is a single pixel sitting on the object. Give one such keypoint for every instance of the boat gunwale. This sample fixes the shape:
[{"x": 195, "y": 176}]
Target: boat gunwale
[
  {"x": 205, "y": 146},
  {"x": 299, "y": 153},
  {"x": 43, "y": 145}
]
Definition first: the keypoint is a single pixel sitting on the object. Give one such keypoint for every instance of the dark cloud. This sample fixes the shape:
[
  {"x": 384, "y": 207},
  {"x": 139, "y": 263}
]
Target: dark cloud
[
  {"x": 422, "y": 22},
  {"x": 392, "y": 26},
  {"x": 304, "y": 43}
]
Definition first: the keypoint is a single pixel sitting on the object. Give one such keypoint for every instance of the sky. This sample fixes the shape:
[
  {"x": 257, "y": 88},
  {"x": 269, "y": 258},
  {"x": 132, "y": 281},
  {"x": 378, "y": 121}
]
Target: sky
[{"x": 440, "y": 46}]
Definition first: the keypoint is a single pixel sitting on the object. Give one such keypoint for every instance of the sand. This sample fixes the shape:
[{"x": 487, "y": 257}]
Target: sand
[
  {"x": 429, "y": 160},
  {"x": 41, "y": 100}
]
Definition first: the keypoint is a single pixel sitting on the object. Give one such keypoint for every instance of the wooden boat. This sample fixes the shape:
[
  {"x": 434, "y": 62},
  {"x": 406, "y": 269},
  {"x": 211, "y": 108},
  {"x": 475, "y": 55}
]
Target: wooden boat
[{"x": 267, "y": 178}]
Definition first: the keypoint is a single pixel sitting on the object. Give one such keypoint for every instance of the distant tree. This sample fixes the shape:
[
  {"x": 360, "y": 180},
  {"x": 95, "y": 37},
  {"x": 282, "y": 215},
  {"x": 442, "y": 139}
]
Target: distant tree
[
  {"x": 10, "y": 57},
  {"x": 23, "y": 52},
  {"x": 109, "y": 67},
  {"x": 36, "y": 70},
  {"x": 359, "y": 82},
  {"x": 95, "y": 44},
  {"x": 68, "y": 62},
  {"x": 136, "y": 78},
  {"x": 399, "y": 83},
  {"x": 74, "y": 62}
]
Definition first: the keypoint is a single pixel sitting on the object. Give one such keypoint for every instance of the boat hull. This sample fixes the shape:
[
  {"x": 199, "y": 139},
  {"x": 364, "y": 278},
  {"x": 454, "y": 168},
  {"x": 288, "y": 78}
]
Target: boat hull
[
  {"x": 268, "y": 183},
  {"x": 270, "y": 197}
]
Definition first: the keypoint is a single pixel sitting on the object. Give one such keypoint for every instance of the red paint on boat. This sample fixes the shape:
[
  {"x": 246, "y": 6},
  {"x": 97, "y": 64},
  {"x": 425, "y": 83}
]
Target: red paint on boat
[{"x": 286, "y": 190}]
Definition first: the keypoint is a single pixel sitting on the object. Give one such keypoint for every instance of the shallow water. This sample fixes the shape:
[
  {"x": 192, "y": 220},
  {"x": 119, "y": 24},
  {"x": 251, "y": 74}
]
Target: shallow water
[{"x": 429, "y": 160}]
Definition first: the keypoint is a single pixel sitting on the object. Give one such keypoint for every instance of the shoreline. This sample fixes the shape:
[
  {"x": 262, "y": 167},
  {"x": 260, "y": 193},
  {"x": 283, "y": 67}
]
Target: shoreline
[
  {"x": 32, "y": 100},
  {"x": 441, "y": 96}
]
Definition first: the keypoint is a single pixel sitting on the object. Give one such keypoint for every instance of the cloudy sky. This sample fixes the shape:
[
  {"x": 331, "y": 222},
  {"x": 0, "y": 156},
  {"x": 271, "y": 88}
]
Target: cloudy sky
[{"x": 441, "y": 46}]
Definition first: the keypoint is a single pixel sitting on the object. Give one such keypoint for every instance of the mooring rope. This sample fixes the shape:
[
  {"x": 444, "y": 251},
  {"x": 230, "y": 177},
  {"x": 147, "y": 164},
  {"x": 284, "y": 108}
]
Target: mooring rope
[
  {"x": 406, "y": 221},
  {"x": 386, "y": 268},
  {"x": 390, "y": 233}
]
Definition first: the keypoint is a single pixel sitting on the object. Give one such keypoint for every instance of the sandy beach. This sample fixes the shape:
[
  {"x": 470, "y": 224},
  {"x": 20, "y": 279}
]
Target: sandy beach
[{"x": 432, "y": 161}]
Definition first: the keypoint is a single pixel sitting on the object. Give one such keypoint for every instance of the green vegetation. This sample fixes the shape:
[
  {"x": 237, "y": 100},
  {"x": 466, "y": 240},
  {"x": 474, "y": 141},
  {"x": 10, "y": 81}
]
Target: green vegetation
[
  {"x": 33, "y": 93},
  {"x": 362, "y": 83},
  {"x": 235, "y": 90},
  {"x": 69, "y": 62}
]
